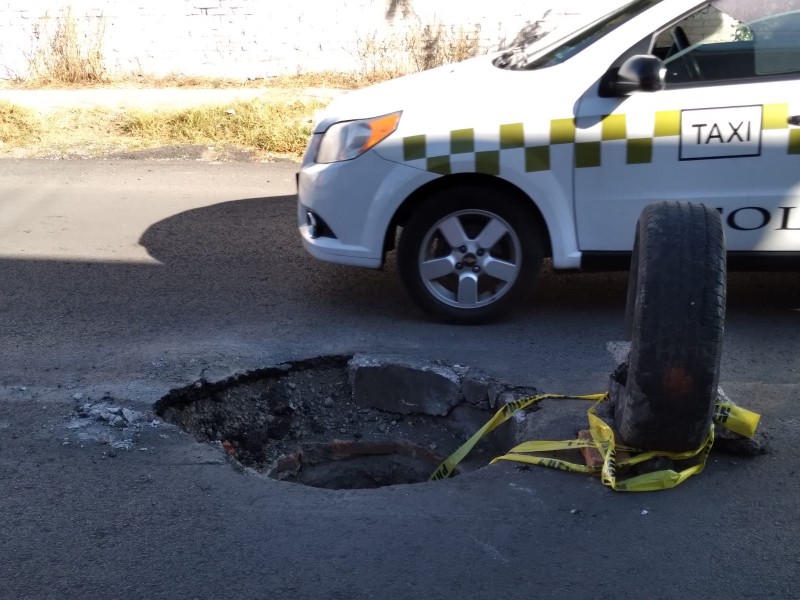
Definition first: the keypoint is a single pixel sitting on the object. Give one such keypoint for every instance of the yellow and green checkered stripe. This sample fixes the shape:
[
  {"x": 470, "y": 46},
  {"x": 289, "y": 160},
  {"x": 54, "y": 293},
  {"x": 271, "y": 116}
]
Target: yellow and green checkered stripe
[
  {"x": 776, "y": 116},
  {"x": 462, "y": 141},
  {"x": 613, "y": 128}
]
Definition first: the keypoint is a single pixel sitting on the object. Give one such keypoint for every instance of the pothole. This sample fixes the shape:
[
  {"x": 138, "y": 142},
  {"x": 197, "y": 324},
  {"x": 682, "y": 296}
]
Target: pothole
[{"x": 345, "y": 422}]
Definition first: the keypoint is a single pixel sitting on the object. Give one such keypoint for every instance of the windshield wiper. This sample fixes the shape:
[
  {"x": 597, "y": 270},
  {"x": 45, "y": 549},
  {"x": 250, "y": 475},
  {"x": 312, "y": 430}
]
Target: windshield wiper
[
  {"x": 512, "y": 58},
  {"x": 517, "y": 54}
]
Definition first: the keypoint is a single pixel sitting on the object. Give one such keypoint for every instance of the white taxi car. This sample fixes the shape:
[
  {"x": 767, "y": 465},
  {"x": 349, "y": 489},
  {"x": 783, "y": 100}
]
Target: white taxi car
[{"x": 476, "y": 172}]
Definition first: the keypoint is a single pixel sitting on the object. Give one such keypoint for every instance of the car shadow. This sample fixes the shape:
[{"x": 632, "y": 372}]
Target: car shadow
[
  {"x": 252, "y": 247},
  {"x": 232, "y": 244},
  {"x": 256, "y": 239},
  {"x": 240, "y": 263}
]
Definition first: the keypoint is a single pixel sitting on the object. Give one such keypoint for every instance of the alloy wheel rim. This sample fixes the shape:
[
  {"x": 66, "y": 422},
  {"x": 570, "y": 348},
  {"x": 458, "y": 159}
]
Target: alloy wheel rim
[{"x": 470, "y": 259}]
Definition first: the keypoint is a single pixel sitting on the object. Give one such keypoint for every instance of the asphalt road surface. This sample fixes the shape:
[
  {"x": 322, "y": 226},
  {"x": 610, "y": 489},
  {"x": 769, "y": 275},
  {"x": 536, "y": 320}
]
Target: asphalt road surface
[{"x": 130, "y": 278}]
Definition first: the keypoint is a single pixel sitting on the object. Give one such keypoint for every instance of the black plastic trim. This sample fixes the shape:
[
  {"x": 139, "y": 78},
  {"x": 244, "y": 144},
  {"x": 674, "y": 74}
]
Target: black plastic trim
[
  {"x": 764, "y": 261},
  {"x": 737, "y": 261},
  {"x": 323, "y": 229},
  {"x": 605, "y": 261}
]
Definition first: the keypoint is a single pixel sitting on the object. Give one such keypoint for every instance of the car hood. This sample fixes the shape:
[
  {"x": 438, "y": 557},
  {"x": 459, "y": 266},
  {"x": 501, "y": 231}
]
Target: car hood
[
  {"x": 469, "y": 94},
  {"x": 424, "y": 89}
]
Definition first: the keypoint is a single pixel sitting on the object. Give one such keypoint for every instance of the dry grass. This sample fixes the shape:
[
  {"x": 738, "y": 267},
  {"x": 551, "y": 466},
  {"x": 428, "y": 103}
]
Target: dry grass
[
  {"x": 64, "y": 54},
  {"x": 381, "y": 59},
  {"x": 85, "y": 132},
  {"x": 339, "y": 80},
  {"x": 64, "y": 133},
  {"x": 19, "y": 126},
  {"x": 273, "y": 127},
  {"x": 326, "y": 79},
  {"x": 418, "y": 49},
  {"x": 258, "y": 127},
  {"x": 436, "y": 45},
  {"x": 187, "y": 81}
]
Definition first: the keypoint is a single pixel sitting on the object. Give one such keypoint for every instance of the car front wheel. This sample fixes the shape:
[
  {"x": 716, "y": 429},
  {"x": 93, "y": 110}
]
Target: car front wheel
[{"x": 467, "y": 254}]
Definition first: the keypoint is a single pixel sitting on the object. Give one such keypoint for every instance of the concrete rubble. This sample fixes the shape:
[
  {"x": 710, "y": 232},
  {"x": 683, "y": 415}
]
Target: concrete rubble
[
  {"x": 105, "y": 422},
  {"x": 414, "y": 386}
]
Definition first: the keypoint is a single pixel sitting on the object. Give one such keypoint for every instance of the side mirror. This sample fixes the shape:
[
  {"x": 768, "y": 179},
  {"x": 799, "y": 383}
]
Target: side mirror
[{"x": 640, "y": 73}]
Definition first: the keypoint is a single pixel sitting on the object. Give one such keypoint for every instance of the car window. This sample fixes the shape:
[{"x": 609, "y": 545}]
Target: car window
[
  {"x": 529, "y": 57},
  {"x": 712, "y": 45},
  {"x": 776, "y": 43}
]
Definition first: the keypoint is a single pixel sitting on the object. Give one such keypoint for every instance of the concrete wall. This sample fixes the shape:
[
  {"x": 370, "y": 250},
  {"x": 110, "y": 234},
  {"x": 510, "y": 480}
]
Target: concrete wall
[
  {"x": 708, "y": 25},
  {"x": 259, "y": 38}
]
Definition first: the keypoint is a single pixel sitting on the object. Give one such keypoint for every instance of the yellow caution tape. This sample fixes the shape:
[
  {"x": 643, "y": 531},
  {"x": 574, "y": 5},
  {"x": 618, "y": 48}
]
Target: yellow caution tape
[
  {"x": 501, "y": 416},
  {"x": 726, "y": 414}
]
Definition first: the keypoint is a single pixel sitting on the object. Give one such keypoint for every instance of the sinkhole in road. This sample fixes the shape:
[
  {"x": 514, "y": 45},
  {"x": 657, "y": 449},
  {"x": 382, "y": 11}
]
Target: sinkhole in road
[{"x": 344, "y": 421}]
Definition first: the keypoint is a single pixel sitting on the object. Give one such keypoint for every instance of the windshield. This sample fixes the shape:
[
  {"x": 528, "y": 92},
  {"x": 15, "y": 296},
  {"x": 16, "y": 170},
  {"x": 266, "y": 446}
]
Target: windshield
[
  {"x": 747, "y": 10},
  {"x": 527, "y": 55}
]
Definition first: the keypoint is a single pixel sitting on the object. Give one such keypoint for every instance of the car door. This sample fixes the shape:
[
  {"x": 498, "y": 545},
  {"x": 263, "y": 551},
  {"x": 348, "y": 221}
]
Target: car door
[{"x": 725, "y": 131}]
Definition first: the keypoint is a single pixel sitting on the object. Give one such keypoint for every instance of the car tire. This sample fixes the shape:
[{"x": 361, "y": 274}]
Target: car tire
[
  {"x": 675, "y": 317},
  {"x": 632, "y": 291},
  {"x": 467, "y": 254}
]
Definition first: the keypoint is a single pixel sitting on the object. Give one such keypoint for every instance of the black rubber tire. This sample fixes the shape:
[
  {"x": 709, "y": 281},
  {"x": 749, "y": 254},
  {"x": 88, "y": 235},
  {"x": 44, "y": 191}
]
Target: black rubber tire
[
  {"x": 633, "y": 278},
  {"x": 676, "y": 313},
  {"x": 454, "y": 200}
]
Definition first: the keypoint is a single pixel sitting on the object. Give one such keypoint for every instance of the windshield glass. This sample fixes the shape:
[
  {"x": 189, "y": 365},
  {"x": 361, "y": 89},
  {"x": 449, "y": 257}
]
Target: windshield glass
[
  {"x": 747, "y": 10},
  {"x": 528, "y": 55}
]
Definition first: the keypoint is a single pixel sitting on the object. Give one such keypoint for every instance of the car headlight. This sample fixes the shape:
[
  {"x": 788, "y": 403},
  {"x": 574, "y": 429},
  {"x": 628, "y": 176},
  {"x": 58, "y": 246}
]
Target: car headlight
[{"x": 349, "y": 139}]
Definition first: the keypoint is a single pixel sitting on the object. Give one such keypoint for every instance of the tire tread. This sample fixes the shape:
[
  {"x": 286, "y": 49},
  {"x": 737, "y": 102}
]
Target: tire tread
[{"x": 676, "y": 323}]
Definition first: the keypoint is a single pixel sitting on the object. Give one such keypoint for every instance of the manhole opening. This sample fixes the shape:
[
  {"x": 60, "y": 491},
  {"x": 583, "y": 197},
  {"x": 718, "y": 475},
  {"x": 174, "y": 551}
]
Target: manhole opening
[
  {"x": 305, "y": 421},
  {"x": 356, "y": 464}
]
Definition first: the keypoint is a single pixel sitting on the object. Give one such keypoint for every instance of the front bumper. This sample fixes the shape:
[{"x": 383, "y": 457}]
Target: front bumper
[{"x": 353, "y": 203}]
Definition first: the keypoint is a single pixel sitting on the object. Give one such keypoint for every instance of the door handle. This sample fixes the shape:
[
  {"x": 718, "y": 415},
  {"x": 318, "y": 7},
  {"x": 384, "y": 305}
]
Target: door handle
[{"x": 794, "y": 120}]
